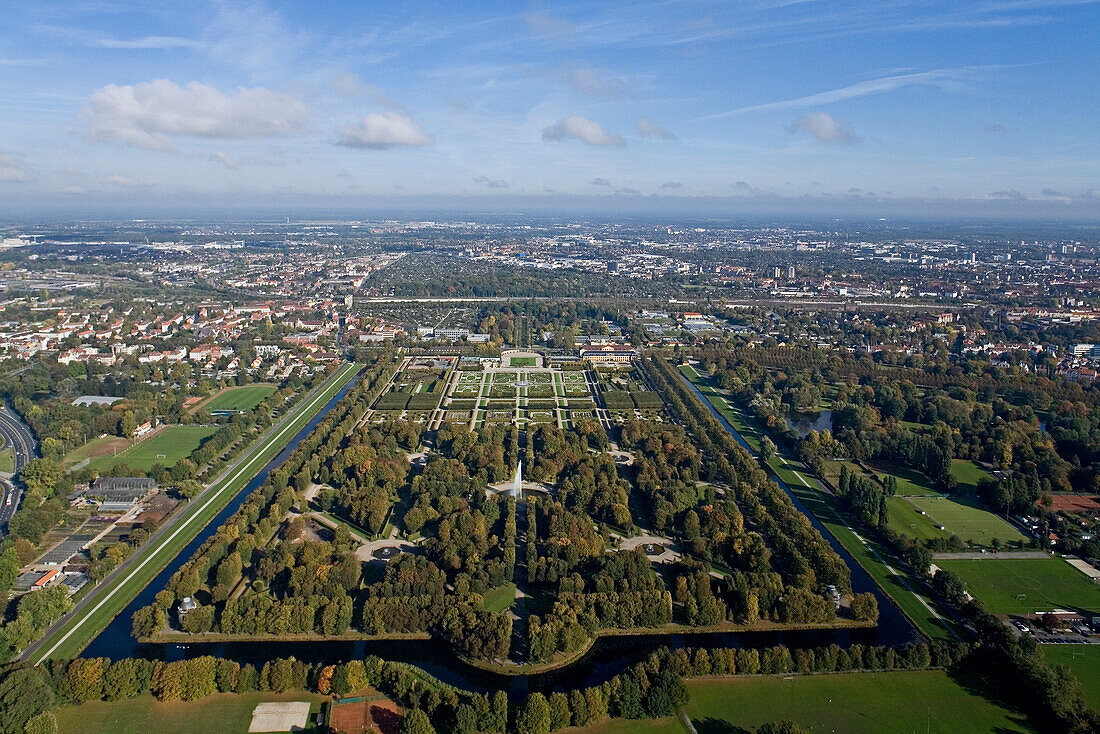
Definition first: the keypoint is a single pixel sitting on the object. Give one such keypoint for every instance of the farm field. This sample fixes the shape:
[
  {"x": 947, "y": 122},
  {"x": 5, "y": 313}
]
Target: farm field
[
  {"x": 245, "y": 397},
  {"x": 224, "y": 712},
  {"x": 1084, "y": 661},
  {"x": 970, "y": 522},
  {"x": 165, "y": 447},
  {"x": 1026, "y": 586}
]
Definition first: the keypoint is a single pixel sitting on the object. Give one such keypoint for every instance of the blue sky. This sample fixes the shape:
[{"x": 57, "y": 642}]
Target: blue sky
[{"x": 786, "y": 104}]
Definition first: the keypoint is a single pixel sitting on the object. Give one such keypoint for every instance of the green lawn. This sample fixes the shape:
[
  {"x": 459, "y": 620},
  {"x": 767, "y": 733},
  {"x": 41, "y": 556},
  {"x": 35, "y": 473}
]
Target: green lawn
[
  {"x": 110, "y": 597},
  {"x": 166, "y": 447},
  {"x": 904, "y": 518},
  {"x": 967, "y": 474},
  {"x": 1024, "y": 586},
  {"x": 967, "y": 519},
  {"x": 7, "y": 461},
  {"x": 1084, "y": 661},
  {"x": 910, "y": 482},
  {"x": 909, "y": 701},
  {"x": 522, "y": 361},
  {"x": 224, "y": 712},
  {"x": 245, "y": 397},
  {"x": 500, "y": 598}
]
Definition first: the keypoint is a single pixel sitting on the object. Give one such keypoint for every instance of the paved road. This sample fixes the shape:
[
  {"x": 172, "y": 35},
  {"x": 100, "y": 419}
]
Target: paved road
[{"x": 17, "y": 435}]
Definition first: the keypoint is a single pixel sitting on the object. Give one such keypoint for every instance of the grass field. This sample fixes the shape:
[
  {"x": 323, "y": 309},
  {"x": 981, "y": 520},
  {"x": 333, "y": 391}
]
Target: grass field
[
  {"x": 166, "y": 447},
  {"x": 1025, "y": 586},
  {"x": 224, "y": 712},
  {"x": 904, "y": 518},
  {"x": 99, "y": 446},
  {"x": 910, "y": 701},
  {"x": 500, "y": 598},
  {"x": 7, "y": 461},
  {"x": 1084, "y": 661},
  {"x": 521, "y": 361},
  {"x": 967, "y": 520},
  {"x": 245, "y": 397},
  {"x": 967, "y": 474},
  {"x": 112, "y": 595},
  {"x": 910, "y": 482}
]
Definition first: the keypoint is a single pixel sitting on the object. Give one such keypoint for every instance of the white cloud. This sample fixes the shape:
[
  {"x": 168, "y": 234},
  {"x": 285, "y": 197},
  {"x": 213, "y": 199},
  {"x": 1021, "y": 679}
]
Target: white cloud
[
  {"x": 824, "y": 128},
  {"x": 672, "y": 185},
  {"x": 647, "y": 128},
  {"x": 381, "y": 130},
  {"x": 600, "y": 182},
  {"x": 581, "y": 128},
  {"x": 145, "y": 115},
  {"x": 126, "y": 182},
  {"x": 74, "y": 190},
  {"x": 1010, "y": 194},
  {"x": 12, "y": 169},
  {"x": 493, "y": 183}
]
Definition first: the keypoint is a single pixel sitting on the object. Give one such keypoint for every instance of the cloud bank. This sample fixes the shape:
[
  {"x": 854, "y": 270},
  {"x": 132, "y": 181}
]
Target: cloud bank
[{"x": 146, "y": 115}]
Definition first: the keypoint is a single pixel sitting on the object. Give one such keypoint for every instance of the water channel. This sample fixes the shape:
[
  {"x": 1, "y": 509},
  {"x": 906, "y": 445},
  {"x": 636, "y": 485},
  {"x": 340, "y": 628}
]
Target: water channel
[{"x": 607, "y": 657}]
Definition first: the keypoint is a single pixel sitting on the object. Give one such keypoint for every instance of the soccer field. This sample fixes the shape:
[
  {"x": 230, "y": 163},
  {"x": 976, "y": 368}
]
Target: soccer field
[
  {"x": 166, "y": 448},
  {"x": 1026, "y": 586},
  {"x": 970, "y": 522},
  {"x": 1084, "y": 661},
  {"x": 246, "y": 397}
]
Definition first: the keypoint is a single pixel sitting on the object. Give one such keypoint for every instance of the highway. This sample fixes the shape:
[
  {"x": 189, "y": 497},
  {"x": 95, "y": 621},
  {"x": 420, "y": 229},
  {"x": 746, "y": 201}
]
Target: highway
[{"x": 16, "y": 435}]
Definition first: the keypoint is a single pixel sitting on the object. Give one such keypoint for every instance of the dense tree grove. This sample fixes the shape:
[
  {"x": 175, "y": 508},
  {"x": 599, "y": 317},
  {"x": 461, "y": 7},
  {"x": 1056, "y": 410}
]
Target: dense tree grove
[{"x": 783, "y": 541}]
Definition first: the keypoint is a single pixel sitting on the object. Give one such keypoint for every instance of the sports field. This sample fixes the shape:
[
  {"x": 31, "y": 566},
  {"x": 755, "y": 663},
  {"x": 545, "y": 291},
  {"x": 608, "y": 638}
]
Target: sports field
[
  {"x": 967, "y": 520},
  {"x": 246, "y": 397},
  {"x": 166, "y": 447},
  {"x": 967, "y": 474},
  {"x": 1026, "y": 586},
  {"x": 1084, "y": 661},
  {"x": 904, "y": 518},
  {"x": 223, "y": 712}
]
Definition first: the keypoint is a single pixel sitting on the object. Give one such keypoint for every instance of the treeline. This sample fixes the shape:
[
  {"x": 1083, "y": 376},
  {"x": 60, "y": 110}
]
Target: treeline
[{"x": 652, "y": 688}]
